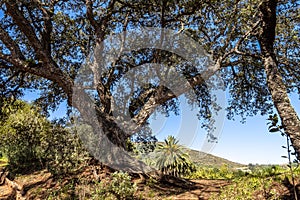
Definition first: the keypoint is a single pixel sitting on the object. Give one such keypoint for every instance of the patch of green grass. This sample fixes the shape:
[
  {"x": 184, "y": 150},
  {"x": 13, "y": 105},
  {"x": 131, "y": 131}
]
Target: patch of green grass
[
  {"x": 262, "y": 181},
  {"x": 3, "y": 161}
]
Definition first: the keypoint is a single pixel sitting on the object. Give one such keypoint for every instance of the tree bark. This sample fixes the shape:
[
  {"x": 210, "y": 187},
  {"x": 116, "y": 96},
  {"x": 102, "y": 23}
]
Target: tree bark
[{"x": 289, "y": 118}]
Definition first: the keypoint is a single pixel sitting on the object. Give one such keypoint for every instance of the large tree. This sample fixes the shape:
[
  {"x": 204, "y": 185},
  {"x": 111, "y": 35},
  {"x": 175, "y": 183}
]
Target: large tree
[{"x": 254, "y": 45}]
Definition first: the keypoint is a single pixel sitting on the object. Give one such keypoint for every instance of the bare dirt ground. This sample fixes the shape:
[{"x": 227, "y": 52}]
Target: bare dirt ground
[
  {"x": 201, "y": 190},
  {"x": 205, "y": 188}
]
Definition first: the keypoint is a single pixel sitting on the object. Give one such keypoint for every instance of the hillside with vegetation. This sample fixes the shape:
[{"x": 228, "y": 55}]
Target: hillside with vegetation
[
  {"x": 209, "y": 160},
  {"x": 204, "y": 159}
]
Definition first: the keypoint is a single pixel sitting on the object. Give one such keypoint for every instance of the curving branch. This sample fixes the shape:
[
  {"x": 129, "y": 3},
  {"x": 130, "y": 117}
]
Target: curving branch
[
  {"x": 10, "y": 44},
  {"x": 27, "y": 29}
]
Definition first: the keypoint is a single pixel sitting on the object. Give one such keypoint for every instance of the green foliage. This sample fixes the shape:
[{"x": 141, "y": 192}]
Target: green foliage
[
  {"x": 65, "y": 191},
  {"x": 215, "y": 173},
  {"x": 3, "y": 161},
  {"x": 247, "y": 189},
  {"x": 144, "y": 141},
  {"x": 31, "y": 142},
  {"x": 267, "y": 171},
  {"x": 171, "y": 158},
  {"x": 275, "y": 127},
  {"x": 21, "y": 134},
  {"x": 64, "y": 151},
  {"x": 119, "y": 186},
  {"x": 260, "y": 182}
]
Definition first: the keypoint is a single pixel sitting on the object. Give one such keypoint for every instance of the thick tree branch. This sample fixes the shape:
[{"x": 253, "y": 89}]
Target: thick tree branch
[
  {"x": 10, "y": 44},
  {"x": 99, "y": 26},
  {"x": 161, "y": 95},
  {"x": 90, "y": 15},
  {"x": 46, "y": 68},
  {"x": 47, "y": 29},
  {"x": 39, "y": 69},
  {"x": 26, "y": 28}
]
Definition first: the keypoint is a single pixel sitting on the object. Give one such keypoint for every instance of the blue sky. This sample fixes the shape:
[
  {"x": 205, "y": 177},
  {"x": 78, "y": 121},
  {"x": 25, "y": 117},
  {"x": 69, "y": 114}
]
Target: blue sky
[
  {"x": 248, "y": 142},
  {"x": 244, "y": 143}
]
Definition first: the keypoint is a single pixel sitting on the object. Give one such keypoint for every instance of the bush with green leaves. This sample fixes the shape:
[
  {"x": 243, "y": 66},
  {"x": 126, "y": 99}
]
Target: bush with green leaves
[
  {"x": 118, "y": 186},
  {"x": 64, "y": 151},
  {"x": 21, "y": 135},
  {"x": 30, "y": 141}
]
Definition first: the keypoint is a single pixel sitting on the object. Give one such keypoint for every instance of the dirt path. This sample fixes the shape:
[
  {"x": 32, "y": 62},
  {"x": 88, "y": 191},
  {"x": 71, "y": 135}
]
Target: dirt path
[
  {"x": 205, "y": 188},
  {"x": 202, "y": 189}
]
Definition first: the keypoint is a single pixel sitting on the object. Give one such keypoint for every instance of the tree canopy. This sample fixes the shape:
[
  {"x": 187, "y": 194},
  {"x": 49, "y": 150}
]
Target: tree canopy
[{"x": 254, "y": 46}]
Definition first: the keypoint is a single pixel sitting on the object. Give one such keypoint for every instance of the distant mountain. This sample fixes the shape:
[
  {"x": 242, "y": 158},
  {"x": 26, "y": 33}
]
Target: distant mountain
[{"x": 209, "y": 160}]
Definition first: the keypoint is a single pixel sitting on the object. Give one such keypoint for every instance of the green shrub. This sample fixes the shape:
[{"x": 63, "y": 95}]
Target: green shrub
[
  {"x": 31, "y": 142},
  {"x": 119, "y": 186},
  {"x": 63, "y": 151},
  {"x": 21, "y": 135}
]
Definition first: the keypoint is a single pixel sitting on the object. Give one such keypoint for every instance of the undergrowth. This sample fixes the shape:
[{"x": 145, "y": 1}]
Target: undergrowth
[{"x": 263, "y": 183}]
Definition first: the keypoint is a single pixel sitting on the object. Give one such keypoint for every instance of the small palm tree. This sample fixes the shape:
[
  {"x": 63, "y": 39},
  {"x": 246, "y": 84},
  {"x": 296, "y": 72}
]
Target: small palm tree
[{"x": 172, "y": 159}]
